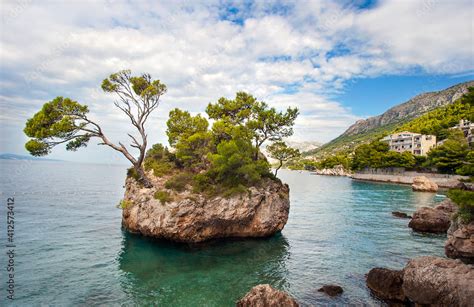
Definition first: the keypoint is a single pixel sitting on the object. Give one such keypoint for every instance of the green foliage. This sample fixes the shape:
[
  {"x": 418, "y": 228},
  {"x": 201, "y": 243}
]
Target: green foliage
[
  {"x": 181, "y": 125},
  {"x": 232, "y": 165},
  {"x": 163, "y": 196},
  {"x": 58, "y": 121},
  {"x": 192, "y": 151},
  {"x": 465, "y": 201},
  {"x": 125, "y": 204},
  {"x": 159, "y": 160},
  {"x": 450, "y": 156},
  {"x": 281, "y": 152},
  {"x": 377, "y": 155},
  {"x": 334, "y": 160},
  {"x": 467, "y": 169},
  {"x": 178, "y": 182},
  {"x": 132, "y": 173}
]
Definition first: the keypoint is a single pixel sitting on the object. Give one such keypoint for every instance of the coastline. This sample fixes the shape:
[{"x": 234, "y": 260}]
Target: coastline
[{"x": 442, "y": 180}]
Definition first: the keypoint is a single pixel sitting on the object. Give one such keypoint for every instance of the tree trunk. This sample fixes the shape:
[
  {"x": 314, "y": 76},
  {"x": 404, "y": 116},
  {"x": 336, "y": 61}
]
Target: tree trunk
[
  {"x": 142, "y": 178},
  {"x": 279, "y": 166}
]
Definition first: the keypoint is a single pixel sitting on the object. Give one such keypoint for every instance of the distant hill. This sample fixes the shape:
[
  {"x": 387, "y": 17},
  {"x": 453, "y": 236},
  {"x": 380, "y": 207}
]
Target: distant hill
[
  {"x": 10, "y": 156},
  {"x": 376, "y": 127}
]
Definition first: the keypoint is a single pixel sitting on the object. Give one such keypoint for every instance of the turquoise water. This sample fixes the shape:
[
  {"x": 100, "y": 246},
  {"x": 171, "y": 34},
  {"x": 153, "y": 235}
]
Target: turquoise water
[{"x": 71, "y": 249}]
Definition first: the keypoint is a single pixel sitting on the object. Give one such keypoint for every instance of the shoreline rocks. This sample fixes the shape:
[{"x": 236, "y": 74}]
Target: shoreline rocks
[
  {"x": 423, "y": 184},
  {"x": 433, "y": 220},
  {"x": 439, "y": 281},
  {"x": 425, "y": 281},
  {"x": 338, "y": 170},
  {"x": 191, "y": 218},
  {"x": 266, "y": 296},
  {"x": 460, "y": 242},
  {"x": 386, "y": 284}
]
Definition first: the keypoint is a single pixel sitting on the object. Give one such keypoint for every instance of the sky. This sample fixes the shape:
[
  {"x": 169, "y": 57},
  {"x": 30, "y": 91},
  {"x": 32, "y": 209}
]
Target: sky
[{"x": 337, "y": 61}]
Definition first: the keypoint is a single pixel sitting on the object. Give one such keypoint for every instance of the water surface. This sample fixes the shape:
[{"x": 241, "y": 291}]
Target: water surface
[{"x": 71, "y": 249}]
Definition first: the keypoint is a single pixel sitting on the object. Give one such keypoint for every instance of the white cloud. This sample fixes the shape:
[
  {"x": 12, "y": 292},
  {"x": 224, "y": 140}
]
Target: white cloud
[{"x": 300, "y": 57}]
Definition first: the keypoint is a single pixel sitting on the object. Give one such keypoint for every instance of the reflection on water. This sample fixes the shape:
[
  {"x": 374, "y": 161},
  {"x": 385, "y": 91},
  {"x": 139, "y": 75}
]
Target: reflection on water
[{"x": 211, "y": 274}]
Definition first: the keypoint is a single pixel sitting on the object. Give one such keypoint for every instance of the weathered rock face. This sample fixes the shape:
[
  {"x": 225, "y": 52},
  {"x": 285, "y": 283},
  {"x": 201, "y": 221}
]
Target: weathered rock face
[
  {"x": 331, "y": 290},
  {"x": 434, "y": 220},
  {"x": 439, "y": 281},
  {"x": 266, "y": 296},
  {"x": 460, "y": 243},
  {"x": 386, "y": 284},
  {"x": 338, "y": 170},
  {"x": 193, "y": 218},
  {"x": 423, "y": 184}
]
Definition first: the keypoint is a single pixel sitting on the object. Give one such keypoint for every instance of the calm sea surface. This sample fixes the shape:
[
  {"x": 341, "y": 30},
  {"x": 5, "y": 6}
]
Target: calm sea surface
[{"x": 71, "y": 250}]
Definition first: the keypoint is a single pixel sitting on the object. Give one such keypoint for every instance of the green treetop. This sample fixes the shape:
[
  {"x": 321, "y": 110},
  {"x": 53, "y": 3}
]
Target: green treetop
[
  {"x": 281, "y": 152},
  {"x": 64, "y": 120}
]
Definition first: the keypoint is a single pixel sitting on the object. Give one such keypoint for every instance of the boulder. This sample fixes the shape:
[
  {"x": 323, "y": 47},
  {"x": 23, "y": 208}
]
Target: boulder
[
  {"x": 423, "y": 184},
  {"x": 331, "y": 290},
  {"x": 439, "y": 281},
  {"x": 460, "y": 243},
  {"x": 266, "y": 296},
  {"x": 386, "y": 284},
  {"x": 190, "y": 217},
  {"x": 447, "y": 206},
  {"x": 427, "y": 219},
  {"x": 401, "y": 215}
]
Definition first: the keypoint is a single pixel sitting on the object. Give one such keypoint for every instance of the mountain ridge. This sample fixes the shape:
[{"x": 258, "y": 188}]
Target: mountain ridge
[{"x": 375, "y": 126}]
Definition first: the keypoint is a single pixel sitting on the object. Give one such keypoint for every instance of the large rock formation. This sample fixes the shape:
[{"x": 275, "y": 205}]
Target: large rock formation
[
  {"x": 331, "y": 290},
  {"x": 386, "y": 284},
  {"x": 434, "y": 220},
  {"x": 423, "y": 184},
  {"x": 425, "y": 281},
  {"x": 460, "y": 243},
  {"x": 190, "y": 217},
  {"x": 266, "y": 296},
  {"x": 439, "y": 281}
]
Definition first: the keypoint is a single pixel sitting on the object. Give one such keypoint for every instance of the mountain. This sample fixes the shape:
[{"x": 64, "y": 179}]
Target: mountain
[
  {"x": 304, "y": 146},
  {"x": 10, "y": 156},
  {"x": 376, "y": 127}
]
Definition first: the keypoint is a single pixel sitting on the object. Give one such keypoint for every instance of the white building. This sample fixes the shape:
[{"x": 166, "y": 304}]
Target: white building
[
  {"x": 467, "y": 128},
  {"x": 416, "y": 143}
]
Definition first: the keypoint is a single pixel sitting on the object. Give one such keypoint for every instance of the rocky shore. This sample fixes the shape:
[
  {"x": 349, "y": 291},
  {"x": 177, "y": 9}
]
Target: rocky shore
[
  {"x": 190, "y": 217},
  {"x": 442, "y": 181},
  {"x": 336, "y": 171},
  {"x": 434, "y": 220},
  {"x": 425, "y": 281}
]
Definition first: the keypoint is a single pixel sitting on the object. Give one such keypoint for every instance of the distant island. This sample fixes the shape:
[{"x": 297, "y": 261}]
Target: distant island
[{"x": 10, "y": 156}]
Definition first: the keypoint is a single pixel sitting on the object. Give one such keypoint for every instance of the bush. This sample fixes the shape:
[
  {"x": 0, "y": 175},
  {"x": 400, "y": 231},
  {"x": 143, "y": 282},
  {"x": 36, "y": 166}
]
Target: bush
[
  {"x": 465, "y": 201},
  {"x": 179, "y": 181},
  {"x": 163, "y": 196},
  {"x": 132, "y": 173},
  {"x": 125, "y": 204}
]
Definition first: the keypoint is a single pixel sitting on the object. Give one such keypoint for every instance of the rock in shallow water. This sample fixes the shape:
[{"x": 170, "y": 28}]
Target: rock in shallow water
[
  {"x": 460, "y": 243},
  {"x": 423, "y": 184},
  {"x": 401, "y": 215},
  {"x": 439, "y": 281},
  {"x": 434, "y": 220},
  {"x": 386, "y": 284},
  {"x": 331, "y": 290},
  {"x": 266, "y": 296},
  {"x": 190, "y": 217}
]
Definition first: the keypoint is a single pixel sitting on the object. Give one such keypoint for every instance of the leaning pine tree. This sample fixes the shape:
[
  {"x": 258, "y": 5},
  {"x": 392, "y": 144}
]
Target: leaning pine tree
[{"x": 63, "y": 120}]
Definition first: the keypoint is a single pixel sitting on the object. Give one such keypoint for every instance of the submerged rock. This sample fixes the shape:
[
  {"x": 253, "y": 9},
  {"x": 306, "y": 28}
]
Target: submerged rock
[
  {"x": 439, "y": 281},
  {"x": 266, "y": 296},
  {"x": 434, "y": 220},
  {"x": 423, "y": 184},
  {"x": 386, "y": 284},
  {"x": 401, "y": 215},
  {"x": 460, "y": 243},
  {"x": 190, "y": 217},
  {"x": 331, "y": 290}
]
